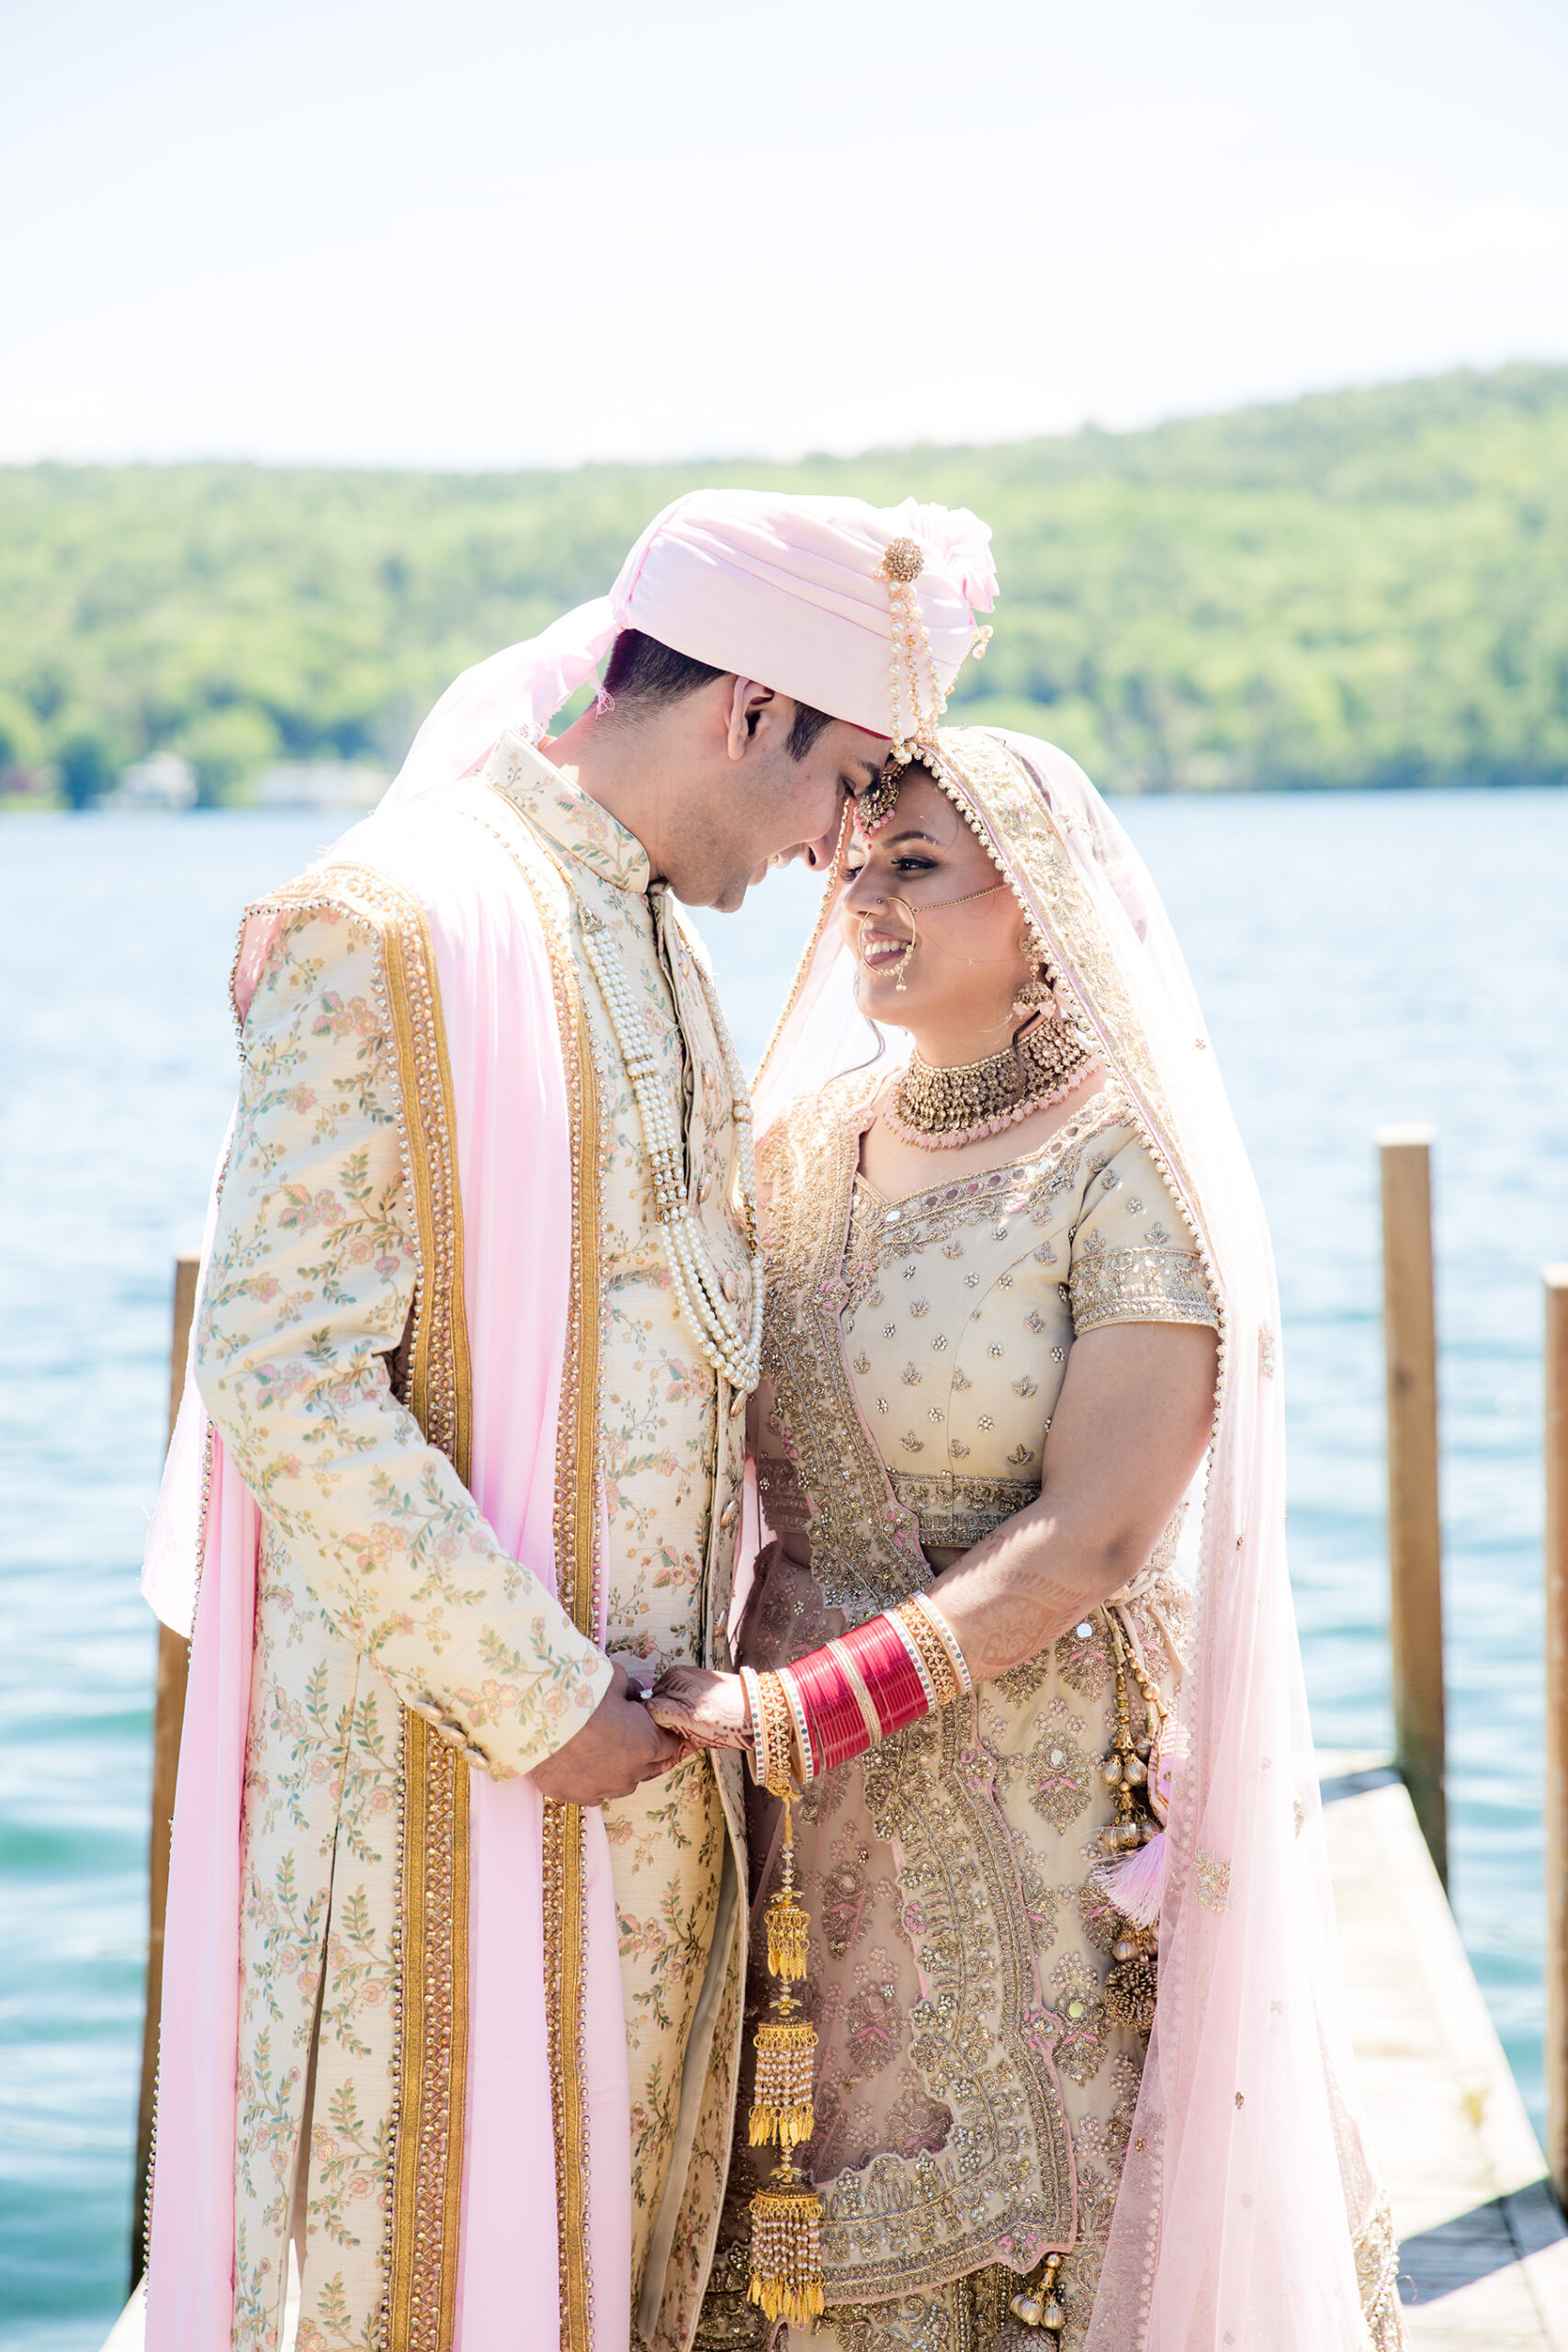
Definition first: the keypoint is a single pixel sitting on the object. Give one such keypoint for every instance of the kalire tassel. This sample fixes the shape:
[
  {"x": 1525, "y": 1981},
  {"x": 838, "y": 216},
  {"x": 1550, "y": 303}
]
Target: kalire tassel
[
  {"x": 786, "y": 1923},
  {"x": 782, "y": 2107},
  {"x": 787, "y": 2279}
]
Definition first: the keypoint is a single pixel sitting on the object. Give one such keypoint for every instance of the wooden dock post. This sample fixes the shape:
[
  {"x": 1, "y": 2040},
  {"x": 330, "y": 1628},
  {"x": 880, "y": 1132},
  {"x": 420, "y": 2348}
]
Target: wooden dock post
[
  {"x": 1556, "y": 1804},
  {"x": 168, "y": 1714},
  {"x": 1415, "y": 1526}
]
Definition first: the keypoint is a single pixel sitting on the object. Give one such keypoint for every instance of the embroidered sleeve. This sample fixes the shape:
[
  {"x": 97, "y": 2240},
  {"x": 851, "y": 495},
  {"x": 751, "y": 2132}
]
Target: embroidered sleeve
[
  {"x": 1133, "y": 1259},
  {"x": 309, "y": 1288}
]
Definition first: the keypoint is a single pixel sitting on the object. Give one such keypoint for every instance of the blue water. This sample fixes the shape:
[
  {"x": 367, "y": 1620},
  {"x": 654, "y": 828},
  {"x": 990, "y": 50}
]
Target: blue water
[{"x": 1362, "y": 958}]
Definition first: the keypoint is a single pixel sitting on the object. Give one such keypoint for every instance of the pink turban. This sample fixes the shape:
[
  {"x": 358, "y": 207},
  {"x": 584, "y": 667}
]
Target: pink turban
[{"x": 787, "y": 591}]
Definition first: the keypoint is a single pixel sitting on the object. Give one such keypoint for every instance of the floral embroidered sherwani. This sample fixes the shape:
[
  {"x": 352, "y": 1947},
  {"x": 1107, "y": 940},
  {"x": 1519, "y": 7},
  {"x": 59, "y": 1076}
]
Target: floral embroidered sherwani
[{"x": 382, "y": 1588}]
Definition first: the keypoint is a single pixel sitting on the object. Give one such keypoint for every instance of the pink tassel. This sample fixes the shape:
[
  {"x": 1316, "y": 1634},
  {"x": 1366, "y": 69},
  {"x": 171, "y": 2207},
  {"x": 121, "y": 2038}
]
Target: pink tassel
[{"x": 1135, "y": 1882}]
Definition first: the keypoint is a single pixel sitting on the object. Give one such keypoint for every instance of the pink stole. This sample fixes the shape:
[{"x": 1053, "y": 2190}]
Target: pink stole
[{"x": 513, "y": 1140}]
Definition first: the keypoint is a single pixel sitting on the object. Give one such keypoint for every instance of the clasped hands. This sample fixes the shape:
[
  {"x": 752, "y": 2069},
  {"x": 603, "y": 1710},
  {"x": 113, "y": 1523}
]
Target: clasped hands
[{"x": 635, "y": 1734}]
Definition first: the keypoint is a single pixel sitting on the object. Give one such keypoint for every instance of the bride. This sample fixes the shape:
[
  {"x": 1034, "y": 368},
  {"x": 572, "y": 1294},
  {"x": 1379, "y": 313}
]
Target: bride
[{"x": 1048, "y": 2044}]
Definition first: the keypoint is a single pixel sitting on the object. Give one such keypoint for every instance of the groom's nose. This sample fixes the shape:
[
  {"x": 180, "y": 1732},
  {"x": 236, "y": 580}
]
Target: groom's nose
[{"x": 817, "y": 855}]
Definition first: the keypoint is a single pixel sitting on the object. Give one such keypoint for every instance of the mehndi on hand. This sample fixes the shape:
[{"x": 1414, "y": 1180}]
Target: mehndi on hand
[{"x": 704, "y": 1709}]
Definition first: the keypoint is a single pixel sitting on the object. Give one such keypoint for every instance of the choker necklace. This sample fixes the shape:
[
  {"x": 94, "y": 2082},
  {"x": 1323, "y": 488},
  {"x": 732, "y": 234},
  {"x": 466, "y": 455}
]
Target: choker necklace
[{"x": 940, "y": 1109}]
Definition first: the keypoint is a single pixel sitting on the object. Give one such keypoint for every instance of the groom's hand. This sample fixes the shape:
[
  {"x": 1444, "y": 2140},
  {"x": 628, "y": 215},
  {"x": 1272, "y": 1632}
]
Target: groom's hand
[{"x": 618, "y": 1748}]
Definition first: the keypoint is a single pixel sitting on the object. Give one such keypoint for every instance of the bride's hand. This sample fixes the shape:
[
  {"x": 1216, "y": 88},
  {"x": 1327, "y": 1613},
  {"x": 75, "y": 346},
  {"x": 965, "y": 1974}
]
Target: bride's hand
[{"x": 703, "y": 1709}]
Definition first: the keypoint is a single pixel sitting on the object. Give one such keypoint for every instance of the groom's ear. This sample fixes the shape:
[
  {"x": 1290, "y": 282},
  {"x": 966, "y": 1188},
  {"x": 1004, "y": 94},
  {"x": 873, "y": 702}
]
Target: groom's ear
[{"x": 752, "y": 709}]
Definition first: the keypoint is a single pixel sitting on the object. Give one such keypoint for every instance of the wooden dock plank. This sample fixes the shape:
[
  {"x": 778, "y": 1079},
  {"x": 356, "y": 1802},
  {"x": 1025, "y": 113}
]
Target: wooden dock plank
[{"x": 1483, "y": 2250}]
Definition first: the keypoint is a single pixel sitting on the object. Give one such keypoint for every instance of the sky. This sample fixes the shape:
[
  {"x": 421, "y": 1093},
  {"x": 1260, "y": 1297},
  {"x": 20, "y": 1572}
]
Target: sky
[{"x": 488, "y": 234}]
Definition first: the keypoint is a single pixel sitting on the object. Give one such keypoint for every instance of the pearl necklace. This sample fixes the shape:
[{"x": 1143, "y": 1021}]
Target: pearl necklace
[{"x": 711, "y": 1315}]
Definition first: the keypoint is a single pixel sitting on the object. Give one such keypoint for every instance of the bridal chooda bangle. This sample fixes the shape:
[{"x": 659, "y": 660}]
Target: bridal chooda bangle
[{"x": 856, "y": 1690}]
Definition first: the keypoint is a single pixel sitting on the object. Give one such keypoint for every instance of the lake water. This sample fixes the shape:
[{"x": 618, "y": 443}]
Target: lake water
[{"x": 1362, "y": 957}]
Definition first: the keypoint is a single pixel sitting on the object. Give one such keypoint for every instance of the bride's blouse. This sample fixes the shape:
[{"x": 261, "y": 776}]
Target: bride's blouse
[{"x": 965, "y": 1302}]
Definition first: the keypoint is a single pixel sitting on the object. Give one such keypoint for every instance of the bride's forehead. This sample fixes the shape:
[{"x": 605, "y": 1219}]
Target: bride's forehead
[{"x": 923, "y": 806}]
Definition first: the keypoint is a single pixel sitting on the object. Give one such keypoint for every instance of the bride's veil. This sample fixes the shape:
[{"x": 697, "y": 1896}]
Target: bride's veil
[{"x": 1248, "y": 2213}]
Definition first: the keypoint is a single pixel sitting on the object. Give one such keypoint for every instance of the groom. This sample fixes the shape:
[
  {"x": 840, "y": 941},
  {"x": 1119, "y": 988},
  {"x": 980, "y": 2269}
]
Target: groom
[{"x": 454, "y": 1940}]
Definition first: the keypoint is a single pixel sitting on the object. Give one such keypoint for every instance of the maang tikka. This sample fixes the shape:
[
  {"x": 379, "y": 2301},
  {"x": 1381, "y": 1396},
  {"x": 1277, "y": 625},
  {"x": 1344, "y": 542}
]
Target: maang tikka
[{"x": 912, "y": 671}]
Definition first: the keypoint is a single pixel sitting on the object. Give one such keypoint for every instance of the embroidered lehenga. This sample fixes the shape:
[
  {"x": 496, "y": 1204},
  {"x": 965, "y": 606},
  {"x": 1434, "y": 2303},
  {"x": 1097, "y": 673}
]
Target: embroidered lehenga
[
  {"x": 972, "y": 2098},
  {"x": 979, "y": 2105}
]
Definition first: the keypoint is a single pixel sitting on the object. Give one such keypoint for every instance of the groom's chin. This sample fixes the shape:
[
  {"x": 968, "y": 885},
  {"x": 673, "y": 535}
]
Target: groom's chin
[{"x": 730, "y": 896}]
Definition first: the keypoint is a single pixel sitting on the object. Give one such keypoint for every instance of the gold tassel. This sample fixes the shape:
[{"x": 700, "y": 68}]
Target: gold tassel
[
  {"x": 781, "y": 2109},
  {"x": 787, "y": 2277},
  {"x": 786, "y": 1925}
]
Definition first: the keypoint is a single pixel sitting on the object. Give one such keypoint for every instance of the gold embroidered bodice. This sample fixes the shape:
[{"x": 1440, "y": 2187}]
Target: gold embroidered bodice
[{"x": 961, "y": 1305}]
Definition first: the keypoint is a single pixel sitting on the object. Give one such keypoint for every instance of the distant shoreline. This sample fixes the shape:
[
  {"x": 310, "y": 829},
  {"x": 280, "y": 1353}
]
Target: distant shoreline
[
  {"x": 346, "y": 813},
  {"x": 1363, "y": 590}
]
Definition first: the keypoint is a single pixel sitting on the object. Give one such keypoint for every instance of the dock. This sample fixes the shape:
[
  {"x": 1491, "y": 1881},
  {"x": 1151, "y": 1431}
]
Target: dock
[{"x": 1483, "y": 2247}]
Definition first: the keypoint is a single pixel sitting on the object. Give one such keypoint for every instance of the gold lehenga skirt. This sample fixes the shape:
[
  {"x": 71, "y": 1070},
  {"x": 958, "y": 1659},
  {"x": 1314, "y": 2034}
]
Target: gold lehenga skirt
[{"x": 974, "y": 2100}]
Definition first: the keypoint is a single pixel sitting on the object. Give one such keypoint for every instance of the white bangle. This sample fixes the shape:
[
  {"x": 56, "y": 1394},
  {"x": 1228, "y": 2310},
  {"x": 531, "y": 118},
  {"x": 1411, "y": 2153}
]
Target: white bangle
[{"x": 753, "y": 1690}]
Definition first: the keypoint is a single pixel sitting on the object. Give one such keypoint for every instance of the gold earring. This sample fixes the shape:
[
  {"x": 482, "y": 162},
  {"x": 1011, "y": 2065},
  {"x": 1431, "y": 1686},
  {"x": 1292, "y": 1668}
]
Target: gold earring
[{"x": 1036, "y": 990}]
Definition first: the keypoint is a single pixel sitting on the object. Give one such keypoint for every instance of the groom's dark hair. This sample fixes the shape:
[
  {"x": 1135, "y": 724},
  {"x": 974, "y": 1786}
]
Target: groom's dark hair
[{"x": 644, "y": 675}]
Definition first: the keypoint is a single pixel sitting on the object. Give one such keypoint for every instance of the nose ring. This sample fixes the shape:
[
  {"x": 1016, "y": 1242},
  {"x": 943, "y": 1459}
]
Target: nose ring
[{"x": 902, "y": 966}]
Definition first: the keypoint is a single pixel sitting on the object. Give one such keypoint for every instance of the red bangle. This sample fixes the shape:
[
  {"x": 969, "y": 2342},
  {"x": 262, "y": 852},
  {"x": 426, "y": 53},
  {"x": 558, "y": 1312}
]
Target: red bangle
[
  {"x": 835, "y": 1725},
  {"x": 857, "y": 1691}
]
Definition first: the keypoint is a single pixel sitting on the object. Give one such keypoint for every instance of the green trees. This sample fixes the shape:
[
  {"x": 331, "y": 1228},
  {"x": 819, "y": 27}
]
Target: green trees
[{"x": 1366, "y": 587}]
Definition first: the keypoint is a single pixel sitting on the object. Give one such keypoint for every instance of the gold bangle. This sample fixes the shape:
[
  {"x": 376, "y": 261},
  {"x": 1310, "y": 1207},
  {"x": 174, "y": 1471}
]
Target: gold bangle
[
  {"x": 800, "y": 1754},
  {"x": 949, "y": 1640},
  {"x": 932, "y": 1637},
  {"x": 771, "y": 1764}
]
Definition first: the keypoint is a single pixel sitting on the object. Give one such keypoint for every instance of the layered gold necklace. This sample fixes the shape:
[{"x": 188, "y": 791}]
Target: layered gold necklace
[{"x": 937, "y": 1109}]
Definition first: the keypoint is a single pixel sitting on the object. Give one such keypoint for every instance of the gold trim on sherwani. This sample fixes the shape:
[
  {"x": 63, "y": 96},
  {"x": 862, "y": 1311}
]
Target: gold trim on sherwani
[
  {"x": 670, "y": 1471},
  {"x": 577, "y": 1499},
  {"x": 432, "y": 1902}
]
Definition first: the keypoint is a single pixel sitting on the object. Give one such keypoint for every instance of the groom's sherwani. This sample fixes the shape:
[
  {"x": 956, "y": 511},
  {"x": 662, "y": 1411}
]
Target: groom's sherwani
[{"x": 403, "y": 1650}]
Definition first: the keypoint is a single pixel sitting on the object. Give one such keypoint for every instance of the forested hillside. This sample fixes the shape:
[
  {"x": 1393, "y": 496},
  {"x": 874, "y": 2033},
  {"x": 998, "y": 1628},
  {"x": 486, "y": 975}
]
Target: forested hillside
[{"x": 1361, "y": 588}]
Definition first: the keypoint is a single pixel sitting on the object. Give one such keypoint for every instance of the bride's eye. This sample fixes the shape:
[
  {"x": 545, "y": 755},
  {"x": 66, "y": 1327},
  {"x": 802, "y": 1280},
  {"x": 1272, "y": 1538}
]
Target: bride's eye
[{"x": 913, "y": 864}]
